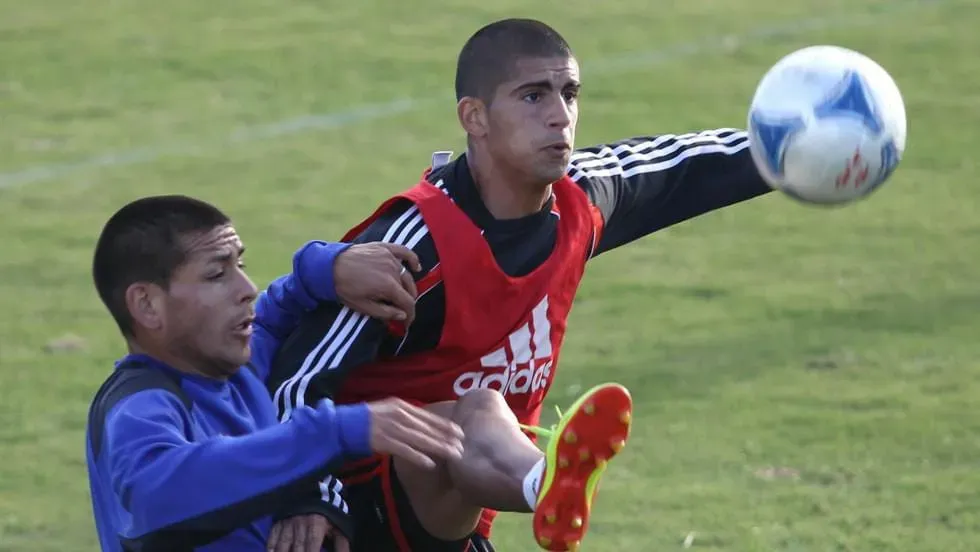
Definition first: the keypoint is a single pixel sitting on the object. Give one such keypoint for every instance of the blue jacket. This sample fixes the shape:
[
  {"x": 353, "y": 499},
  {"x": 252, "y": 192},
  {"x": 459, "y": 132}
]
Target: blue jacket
[{"x": 180, "y": 462}]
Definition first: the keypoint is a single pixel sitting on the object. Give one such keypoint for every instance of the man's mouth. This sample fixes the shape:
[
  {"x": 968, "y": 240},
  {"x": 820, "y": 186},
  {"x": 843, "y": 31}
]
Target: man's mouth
[{"x": 245, "y": 326}]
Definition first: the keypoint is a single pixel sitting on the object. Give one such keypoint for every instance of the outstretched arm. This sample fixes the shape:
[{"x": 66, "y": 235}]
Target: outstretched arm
[
  {"x": 178, "y": 491},
  {"x": 645, "y": 184},
  {"x": 175, "y": 488}
]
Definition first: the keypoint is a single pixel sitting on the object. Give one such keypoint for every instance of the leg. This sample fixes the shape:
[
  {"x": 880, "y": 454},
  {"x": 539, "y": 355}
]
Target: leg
[
  {"x": 496, "y": 456},
  {"x": 502, "y": 469},
  {"x": 384, "y": 520}
]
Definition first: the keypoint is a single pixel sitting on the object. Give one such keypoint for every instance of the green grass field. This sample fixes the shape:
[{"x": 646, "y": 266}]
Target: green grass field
[{"x": 804, "y": 377}]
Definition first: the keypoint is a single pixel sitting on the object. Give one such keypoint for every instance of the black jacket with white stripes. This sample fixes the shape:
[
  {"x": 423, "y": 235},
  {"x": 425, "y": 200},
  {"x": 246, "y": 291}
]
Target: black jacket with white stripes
[{"x": 640, "y": 185}]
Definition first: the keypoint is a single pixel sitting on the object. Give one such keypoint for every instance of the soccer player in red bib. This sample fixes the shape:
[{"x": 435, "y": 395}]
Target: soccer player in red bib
[{"x": 503, "y": 232}]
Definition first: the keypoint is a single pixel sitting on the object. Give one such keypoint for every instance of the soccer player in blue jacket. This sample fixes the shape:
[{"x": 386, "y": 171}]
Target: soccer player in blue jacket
[{"x": 184, "y": 448}]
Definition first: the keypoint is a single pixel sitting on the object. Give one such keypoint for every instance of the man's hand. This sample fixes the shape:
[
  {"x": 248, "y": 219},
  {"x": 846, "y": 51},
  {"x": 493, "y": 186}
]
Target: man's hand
[
  {"x": 413, "y": 434},
  {"x": 305, "y": 533},
  {"x": 370, "y": 278}
]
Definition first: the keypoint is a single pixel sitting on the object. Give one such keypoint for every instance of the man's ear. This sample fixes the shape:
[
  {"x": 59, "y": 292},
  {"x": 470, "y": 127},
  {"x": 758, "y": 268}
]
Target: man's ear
[
  {"x": 146, "y": 305},
  {"x": 472, "y": 114}
]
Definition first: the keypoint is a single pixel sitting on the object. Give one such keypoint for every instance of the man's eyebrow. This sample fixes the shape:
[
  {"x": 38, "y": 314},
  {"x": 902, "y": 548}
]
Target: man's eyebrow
[
  {"x": 226, "y": 256},
  {"x": 544, "y": 83}
]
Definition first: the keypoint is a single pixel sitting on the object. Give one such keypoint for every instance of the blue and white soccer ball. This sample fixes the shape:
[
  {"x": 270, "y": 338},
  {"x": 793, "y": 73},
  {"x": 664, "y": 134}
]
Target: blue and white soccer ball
[{"x": 827, "y": 125}]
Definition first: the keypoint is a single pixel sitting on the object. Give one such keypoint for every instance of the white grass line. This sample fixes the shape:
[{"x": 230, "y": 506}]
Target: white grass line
[{"x": 617, "y": 64}]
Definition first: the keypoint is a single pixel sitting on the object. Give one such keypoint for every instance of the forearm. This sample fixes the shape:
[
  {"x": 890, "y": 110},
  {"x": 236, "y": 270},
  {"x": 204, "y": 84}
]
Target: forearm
[{"x": 167, "y": 483}]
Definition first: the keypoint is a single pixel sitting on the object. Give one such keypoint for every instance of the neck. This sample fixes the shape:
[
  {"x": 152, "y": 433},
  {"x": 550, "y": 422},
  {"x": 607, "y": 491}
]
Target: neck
[
  {"x": 505, "y": 195},
  {"x": 187, "y": 366}
]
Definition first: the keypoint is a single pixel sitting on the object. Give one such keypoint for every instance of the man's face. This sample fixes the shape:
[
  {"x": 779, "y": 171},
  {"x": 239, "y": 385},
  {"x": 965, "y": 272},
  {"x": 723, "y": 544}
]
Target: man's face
[
  {"x": 208, "y": 309},
  {"x": 532, "y": 118}
]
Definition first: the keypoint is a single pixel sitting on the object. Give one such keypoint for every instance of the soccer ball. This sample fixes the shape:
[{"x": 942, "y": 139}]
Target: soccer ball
[{"x": 826, "y": 125}]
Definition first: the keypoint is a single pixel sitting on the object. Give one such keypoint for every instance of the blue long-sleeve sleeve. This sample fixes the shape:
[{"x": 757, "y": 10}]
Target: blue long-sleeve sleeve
[
  {"x": 170, "y": 484},
  {"x": 280, "y": 307}
]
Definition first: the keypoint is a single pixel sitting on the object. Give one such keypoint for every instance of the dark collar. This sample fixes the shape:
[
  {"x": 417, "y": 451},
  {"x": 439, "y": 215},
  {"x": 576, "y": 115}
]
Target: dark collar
[{"x": 459, "y": 182}]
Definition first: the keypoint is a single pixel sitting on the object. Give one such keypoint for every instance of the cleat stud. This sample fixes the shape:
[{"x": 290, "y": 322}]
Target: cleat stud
[
  {"x": 601, "y": 463},
  {"x": 570, "y": 437},
  {"x": 583, "y": 454},
  {"x": 589, "y": 409},
  {"x": 626, "y": 417},
  {"x": 618, "y": 445},
  {"x": 545, "y": 542},
  {"x": 573, "y": 546},
  {"x": 551, "y": 518},
  {"x": 577, "y": 522},
  {"x": 562, "y": 462}
]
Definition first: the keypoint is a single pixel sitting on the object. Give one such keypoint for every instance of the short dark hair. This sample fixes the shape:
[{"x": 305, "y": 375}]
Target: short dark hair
[
  {"x": 144, "y": 242},
  {"x": 488, "y": 58}
]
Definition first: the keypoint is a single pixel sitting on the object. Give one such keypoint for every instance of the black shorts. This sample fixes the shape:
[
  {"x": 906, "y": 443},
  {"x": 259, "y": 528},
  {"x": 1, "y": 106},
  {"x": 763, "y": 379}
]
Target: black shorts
[{"x": 384, "y": 520}]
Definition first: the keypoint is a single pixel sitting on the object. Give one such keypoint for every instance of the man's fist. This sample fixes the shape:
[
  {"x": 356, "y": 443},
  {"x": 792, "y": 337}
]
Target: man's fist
[{"x": 371, "y": 278}]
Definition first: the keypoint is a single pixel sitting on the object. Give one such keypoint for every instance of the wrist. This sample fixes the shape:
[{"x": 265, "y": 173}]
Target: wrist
[
  {"x": 313, "y": 265},
  {"x": 354, "y": 426}
]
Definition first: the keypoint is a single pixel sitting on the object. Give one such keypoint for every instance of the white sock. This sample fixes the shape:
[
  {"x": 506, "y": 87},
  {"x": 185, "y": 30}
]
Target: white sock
[{"x": 532, "y": 484}]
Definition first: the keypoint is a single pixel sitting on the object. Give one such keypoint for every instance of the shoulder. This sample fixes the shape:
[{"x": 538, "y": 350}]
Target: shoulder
[
  {"x": 654, "y": 153},
  {"x": 399, "y": 221},
  {"x": 144, "y": 393},
  {"x": 126, "y": 382},
  {"x": 386, "y": 220},
  {"x": 402, "y": 223}
]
